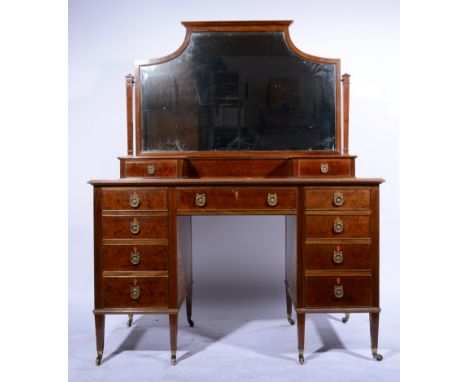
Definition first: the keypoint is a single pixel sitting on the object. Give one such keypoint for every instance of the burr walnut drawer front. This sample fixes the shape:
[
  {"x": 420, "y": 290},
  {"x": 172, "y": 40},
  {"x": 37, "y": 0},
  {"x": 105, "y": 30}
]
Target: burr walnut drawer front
[
  {"x": 325, "y": 167},
  {"x": 338, "y": 226},
  {"x": 149, "y": 169},
  {"x": 134, "y": 199},
  {"x": 265, "y": 199},
  {"x": 341, "y": 291},
  {"x": 134, "y": 292},
  {"x": 134, "y": 227},
  {"x": 338, "y": 256},
  {"x": 337, "y": 199},
  {"x": 138, "y": 257}
]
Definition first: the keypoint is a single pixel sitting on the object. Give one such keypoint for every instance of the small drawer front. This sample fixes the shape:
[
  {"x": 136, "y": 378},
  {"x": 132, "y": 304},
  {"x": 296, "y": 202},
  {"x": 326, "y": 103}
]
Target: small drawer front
[
  {"x": 135, "y": 292},
  {"x": 324, "y": 167},
  {"x": 338, "y": 256},
  {"x": 338, "y": 226},
  {"x": 134, "y": 199},
  {"x": 342, "y": 291},
  {"x": 134, "y": 257},
  {"x": 269, "y": 199},
  {"x": 337, "y": 199},
  {"x": 150, "y": 169},
  {"x": 134, "y": 227}
]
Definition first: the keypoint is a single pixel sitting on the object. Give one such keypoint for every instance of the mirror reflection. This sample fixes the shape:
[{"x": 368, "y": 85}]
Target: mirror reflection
[{"x": 239, "y": 92}]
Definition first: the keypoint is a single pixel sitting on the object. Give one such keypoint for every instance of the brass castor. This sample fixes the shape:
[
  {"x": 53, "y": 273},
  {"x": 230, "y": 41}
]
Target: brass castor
[
  {"x": 191, "y": 323},
  {"x": 345, "y": 318},
  {"x": 377, "y": 356},
  {"x": 98, "y": 359},
  {"x": 173, "y": 360},
  {"x": 301, "y": 358},
  {"x": 130, "y": 320},
  {"x": 291, "y": 321}
]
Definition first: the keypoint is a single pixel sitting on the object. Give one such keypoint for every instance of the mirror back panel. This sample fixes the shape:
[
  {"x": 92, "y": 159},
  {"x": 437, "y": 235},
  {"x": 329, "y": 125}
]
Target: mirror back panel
[{"x": 238, "y": 89}]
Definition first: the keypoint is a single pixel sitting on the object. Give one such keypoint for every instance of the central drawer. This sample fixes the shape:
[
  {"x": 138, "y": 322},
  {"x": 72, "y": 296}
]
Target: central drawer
[
  {"x": 134, "y": 292},
  {"x": 263, "y": 200}
]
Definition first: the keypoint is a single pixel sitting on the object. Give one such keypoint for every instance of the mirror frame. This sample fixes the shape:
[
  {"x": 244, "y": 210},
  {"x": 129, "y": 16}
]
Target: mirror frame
[{"x": 238, "y": 26}]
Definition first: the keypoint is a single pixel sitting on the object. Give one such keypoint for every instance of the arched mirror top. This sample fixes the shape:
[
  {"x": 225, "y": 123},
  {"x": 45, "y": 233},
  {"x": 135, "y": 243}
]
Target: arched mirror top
[{"x": 238, "y": 87}]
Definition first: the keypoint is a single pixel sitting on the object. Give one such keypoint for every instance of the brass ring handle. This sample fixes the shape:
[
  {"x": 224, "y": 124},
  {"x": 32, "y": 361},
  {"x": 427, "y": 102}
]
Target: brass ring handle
[
  {"x": 338, "y": 256},
  {"x": 135, "y": 293},
  {"x": 338, "y": 199},
  {"x": 135, "y": 257},
  {"x": 134, "y": 200},
  {"x": 338, "y": 291},
  {"x": 135, "y": 226},
  {"x": 324, "y": 168},
  {"x": 272, "y": 200},
  {"x": 200, "y": 200},
  {"x": 150, "y": 169},
  {"x": 338, "y": 225}
]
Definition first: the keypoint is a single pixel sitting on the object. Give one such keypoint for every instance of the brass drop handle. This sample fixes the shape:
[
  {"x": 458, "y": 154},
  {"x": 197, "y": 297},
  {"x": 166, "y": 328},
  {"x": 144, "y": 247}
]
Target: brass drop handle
[
  {"x": 135, "y": 257},
  {"x": 134, "y": 200},
  {"x": 272, "y": 200},
  {"x": 338, "y": 199},
  {"x": 338, "y": 291},
  {"x": 324, "y": 168},
  {"x": 338, "y": 225},
  {"x": 150, "y": 169},
  {"x": 135, "y": 226},
  {"x": 200, "y": 200},
  {"x": 135, "y": 292},
  {"x": 338, "y": 256}
]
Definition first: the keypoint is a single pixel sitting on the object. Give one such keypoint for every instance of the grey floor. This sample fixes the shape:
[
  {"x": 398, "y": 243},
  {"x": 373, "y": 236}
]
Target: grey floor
[{"x": 244, "y": 338}]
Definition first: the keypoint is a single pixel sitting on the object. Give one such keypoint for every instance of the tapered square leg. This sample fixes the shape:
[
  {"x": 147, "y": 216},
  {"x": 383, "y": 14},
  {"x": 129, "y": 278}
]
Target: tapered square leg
[
  {"x": 100, "y": 320},
  {"x": 300, "y": 336},
  {"x": 173, "y": 326},
  {"x": 130, "y": 319},
  {"x": 289, "y": 306},
  {"x": 188, "y": 304},
  {"x": 374, "y": 333}
]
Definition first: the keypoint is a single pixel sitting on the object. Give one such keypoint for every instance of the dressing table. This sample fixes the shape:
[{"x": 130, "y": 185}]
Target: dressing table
[{"x": 238, "y": 120}]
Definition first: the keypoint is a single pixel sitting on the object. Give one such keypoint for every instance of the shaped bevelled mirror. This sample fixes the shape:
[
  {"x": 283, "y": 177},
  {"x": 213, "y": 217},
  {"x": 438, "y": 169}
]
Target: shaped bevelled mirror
[{"x": 237, "y": 90}]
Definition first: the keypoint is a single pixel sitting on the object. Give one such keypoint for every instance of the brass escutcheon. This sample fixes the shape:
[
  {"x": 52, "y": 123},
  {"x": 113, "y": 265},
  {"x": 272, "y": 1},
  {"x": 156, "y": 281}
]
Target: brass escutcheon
[
  {"x": 150, "y": 169},
  {"x": 338, "y": 199},
  {"x": 337, "y": 256},
  {"x": 135, "y": 293},
  {"x": 200, "y": 200},
  {"x": 272, "y": 200},
  {"x": 324, "y": 168},
  {"x": 135, "y": 257},
  {"x": 134, "y": 226},
  {"x": 338, "y": 225},
  {"x": 134, "y": 200},
  {"x": 338, "y": 291}
]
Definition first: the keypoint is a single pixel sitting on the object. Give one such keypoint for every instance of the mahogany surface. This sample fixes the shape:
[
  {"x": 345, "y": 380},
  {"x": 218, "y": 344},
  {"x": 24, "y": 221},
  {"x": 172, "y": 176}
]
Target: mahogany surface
[{"x": 142, "y": 221}]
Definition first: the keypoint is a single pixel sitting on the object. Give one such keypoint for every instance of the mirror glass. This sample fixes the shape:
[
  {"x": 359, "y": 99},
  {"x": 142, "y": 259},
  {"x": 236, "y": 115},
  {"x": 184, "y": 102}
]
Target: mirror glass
[{"x": 239, "y": 91}]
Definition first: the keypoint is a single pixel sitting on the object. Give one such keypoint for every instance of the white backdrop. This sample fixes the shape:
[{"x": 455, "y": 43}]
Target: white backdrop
[{"x": 105, "y": 37}]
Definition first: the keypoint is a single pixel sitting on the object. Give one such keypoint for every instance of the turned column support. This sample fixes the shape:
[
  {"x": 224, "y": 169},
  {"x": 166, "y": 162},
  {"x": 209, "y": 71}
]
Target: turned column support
[
  {"x": 345, "y": 80},
  {"x": 129, "y": 82}
]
